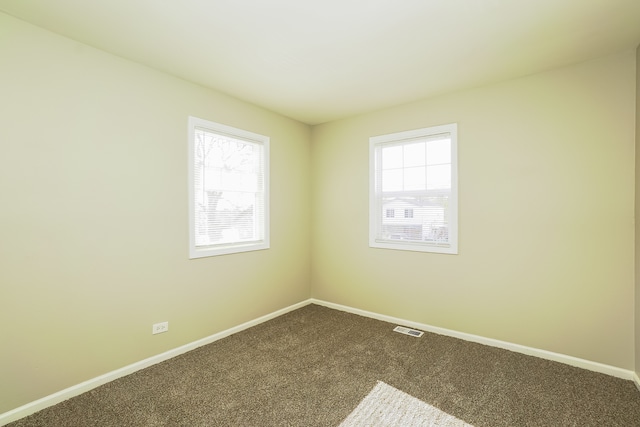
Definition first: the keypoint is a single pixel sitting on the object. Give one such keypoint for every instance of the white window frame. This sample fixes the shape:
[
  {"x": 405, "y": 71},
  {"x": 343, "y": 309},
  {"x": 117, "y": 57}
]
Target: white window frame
[
  {"x": 376, "y": 215},
  {"x": 196, "y": 251}
]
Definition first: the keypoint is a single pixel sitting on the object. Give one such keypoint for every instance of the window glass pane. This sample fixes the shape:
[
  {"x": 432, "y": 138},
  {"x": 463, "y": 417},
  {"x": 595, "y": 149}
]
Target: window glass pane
[
  {"x": 234, "y": 217},
  {"x": 439, "y": 151},
  {"x": 229, "y": 182},
  {"x": 392, "y": 180},
  {"x": 434, "y": 214},
  {"x": 438, "y": 177},
  {"x": 414, "y": 178},
  {"x": 392, "y": 157},
  {"x": 414, "y": 154}
]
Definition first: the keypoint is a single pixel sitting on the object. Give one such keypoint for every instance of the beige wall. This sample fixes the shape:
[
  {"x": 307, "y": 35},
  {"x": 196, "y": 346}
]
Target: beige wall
[
  {"x": 637, "y": 213},
  {"x": 93, "y": 223},
  {"x": 546, "y": 176}
]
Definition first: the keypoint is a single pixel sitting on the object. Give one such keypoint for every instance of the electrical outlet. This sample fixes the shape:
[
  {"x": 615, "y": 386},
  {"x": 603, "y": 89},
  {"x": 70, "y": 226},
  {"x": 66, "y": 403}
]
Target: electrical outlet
[{"x": 159, "y": 328}]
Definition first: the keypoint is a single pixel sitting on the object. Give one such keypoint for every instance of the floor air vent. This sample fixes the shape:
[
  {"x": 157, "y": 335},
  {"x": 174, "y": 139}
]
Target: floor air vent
[{"x": 408, "y": 331}]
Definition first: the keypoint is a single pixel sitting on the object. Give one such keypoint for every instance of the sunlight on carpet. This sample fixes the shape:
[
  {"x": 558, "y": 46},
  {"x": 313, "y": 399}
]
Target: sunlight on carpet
[{"x": 386, "y": 406}]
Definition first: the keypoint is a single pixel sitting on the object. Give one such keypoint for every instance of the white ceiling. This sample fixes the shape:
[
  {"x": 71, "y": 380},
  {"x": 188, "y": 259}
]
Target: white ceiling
[{"x": 325, "y": 60}]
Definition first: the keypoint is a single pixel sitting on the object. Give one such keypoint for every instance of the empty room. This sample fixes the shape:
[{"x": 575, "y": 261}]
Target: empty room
[{"x": 218, "y": 213}]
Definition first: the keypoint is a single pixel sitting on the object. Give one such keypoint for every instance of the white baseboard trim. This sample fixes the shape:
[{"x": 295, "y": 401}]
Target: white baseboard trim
[
  {"x": 62, "y": 395},
  {"x": 544, "y": 354},
  {"x": 636, "y": 380}
]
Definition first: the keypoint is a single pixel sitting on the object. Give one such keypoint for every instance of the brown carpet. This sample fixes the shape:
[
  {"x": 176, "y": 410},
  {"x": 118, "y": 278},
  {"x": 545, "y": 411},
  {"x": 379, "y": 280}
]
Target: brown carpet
[{"x": 313, "y": 366}]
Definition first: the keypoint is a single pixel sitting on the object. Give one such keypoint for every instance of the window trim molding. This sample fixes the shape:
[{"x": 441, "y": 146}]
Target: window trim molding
[
  {"x": 375, "y": 141},
  {"x": 225, "y": 249}
]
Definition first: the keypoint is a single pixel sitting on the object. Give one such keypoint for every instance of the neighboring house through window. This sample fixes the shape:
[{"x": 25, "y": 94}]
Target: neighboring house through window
[
  {"x": 415, "y": 172},
  {"x": 228, "y": 189}
]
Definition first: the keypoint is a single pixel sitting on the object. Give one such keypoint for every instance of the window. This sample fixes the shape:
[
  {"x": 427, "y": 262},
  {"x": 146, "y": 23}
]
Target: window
[
  {"x": 228, "y": 190},
  {"x": 415, "y": 171}
]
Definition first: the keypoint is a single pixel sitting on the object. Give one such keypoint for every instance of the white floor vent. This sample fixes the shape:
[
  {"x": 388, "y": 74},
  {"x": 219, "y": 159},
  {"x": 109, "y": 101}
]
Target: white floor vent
[{"x": 408, "y": 331}]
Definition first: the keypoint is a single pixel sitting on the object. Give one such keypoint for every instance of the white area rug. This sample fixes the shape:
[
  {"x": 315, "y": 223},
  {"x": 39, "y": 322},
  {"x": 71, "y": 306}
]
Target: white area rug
[{"x": 386, "y": 406}]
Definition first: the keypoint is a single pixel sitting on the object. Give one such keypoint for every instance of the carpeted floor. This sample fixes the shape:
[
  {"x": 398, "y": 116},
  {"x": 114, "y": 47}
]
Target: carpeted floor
[{"x": 313, "y": 366}]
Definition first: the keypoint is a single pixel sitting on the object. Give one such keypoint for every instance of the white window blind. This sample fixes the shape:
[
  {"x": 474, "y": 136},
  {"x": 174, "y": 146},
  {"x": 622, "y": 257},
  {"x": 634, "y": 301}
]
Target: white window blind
[
  {"x": 414, "y": 172},
  {"x": 228, "y": 189}
]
